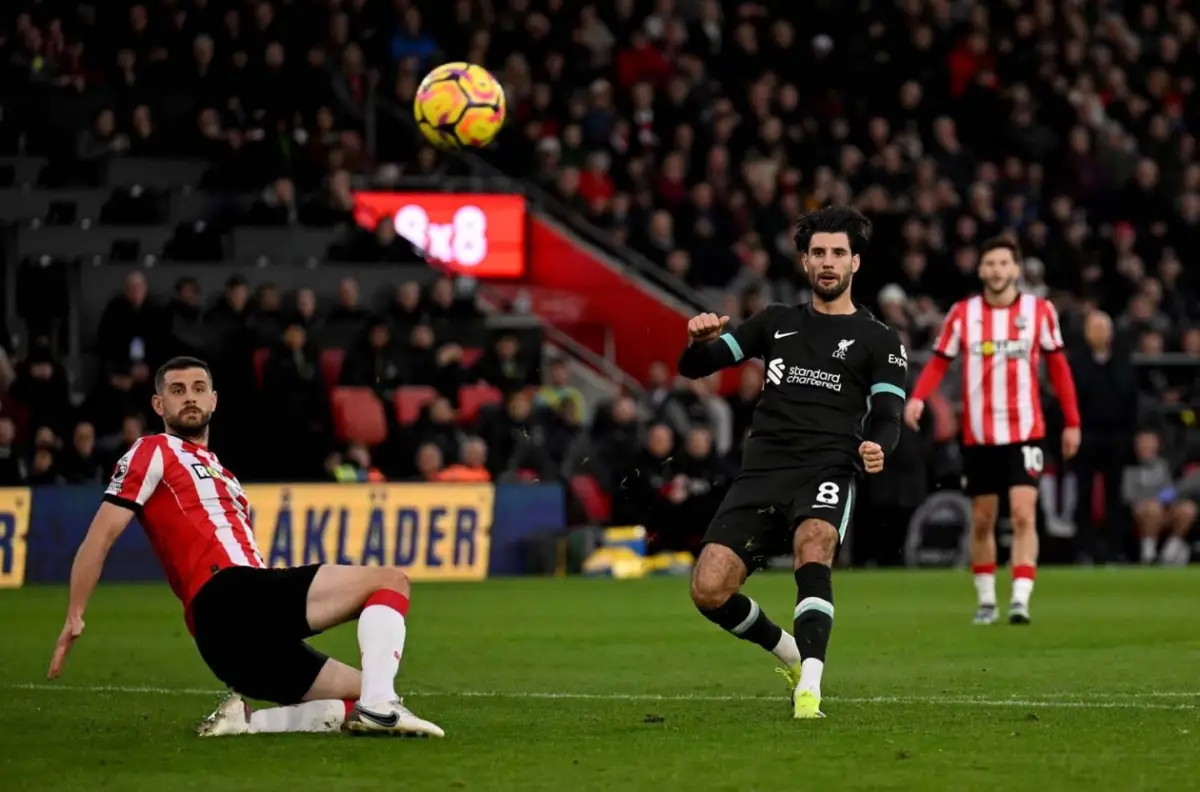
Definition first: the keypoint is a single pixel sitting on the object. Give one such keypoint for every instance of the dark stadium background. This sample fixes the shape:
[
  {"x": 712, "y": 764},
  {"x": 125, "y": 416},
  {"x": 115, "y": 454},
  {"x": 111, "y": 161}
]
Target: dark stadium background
[{"x": 179, "y": 177}]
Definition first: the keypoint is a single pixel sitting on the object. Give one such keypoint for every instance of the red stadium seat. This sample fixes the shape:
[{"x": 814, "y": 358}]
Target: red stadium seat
[
  {"x": 471, "y": 398},
  {"x": 260, "y": 360},
  {"x": 595, "y": 501},
  {"x": 331, "y": 366},
  {"x": 358, "y": 416},
  {"x": 409, "y": 401},
  {"x": 470, "y": 355}
]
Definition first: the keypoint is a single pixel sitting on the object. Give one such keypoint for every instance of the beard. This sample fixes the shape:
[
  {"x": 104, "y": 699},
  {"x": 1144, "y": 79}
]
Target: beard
[
  {"x": 1002, "y": 287},
  {"x": 829, "y": 293},
  {"x": 192, "y": 422}
]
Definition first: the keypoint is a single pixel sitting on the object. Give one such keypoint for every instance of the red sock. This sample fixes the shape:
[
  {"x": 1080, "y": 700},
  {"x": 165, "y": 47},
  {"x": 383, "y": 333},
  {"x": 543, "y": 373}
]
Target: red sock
[
  {"x": 983, "y": 569},
  {"x": 1028, "y": 571}
]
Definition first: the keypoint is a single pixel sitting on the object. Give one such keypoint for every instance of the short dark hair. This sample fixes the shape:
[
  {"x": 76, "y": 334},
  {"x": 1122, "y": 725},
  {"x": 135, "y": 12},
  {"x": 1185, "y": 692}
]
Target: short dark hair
[
  {"x": 1000, "y": 243},
  {"x": 178, "y": 364},
  {"x": 834, "y": 220}
]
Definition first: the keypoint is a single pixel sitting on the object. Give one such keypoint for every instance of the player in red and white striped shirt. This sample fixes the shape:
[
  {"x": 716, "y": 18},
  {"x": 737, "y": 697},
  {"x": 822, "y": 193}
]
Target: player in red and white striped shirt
[
  {"x": 249, "y": 622},
  {"x": 1002, "y": 336}
]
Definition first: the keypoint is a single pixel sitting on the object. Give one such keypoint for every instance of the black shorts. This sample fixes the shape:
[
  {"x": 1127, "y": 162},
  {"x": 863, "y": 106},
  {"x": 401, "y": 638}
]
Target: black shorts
[
  {"x": 760, "y": 512},
  {"x": 250, "y": 625},
  {"x": 994, "y": 470}
]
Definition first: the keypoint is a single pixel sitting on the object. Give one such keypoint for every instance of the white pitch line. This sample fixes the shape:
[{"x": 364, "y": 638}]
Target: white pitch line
[{"x": 1087, "y": 701}]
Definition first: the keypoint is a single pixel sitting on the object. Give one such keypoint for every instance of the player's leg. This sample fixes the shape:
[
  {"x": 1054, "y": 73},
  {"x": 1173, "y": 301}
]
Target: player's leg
[
  {"x": 814, "y": 546},
  {"x": 379, "y": 597},
  {"x": 1022, "y": 501},
  {"x": 1181, "y": 516},
  {"x": 1025, "y": 466},
  {"x": 719, "y": 573},
  {"x": 270, "y": 661},
  {"x": 983, "y": 555},
  {"x": 1148, "y": 518},
  {"x": 983, "y": 480}
]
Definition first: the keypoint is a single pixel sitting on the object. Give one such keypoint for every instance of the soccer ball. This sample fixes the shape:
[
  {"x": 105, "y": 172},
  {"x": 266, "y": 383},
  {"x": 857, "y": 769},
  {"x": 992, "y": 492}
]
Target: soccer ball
[{"x": 459, "y": 105}]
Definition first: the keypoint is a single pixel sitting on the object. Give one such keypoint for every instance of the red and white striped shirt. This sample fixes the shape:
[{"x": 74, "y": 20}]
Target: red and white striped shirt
[
  {"x": 1001, "y": 349},
  {"x": 193, "y": 510}
]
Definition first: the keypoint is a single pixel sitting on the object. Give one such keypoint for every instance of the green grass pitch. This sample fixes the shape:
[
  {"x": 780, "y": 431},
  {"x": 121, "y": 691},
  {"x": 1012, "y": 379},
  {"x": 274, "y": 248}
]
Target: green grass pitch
[{"x": 602, "y": 685}]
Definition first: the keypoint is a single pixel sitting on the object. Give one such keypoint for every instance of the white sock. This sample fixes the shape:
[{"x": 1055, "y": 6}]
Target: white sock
[
  {"x": 312, "y": 716},
  {"x": 810, "y": 676},
  {"x": 786, "y": 650},
  {"x": 1150, "y": 549},
  {"x": 1177, "y": 551},
  {"x": 1022, "y": 588},
  {"x": 985, "y": 588},
  {"x": 381, "y": 632}
]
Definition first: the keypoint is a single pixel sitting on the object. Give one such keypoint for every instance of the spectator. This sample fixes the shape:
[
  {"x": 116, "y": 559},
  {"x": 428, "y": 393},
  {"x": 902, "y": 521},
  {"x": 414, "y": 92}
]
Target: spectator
[
  {"x": 472, "y": 468},
  {"x": 502, "y": 367},
  {"x": 1107, "y": 386},
  {"x": 80, "y": 463},
  {"x": 130, "y": 326},
  {"x": 13, "y": 470},
  {"x": 355, "y": 466},
  {"x": 293, "y": 387},
  {"x": 428, "y": 462},
  {"x": 616, "y": 442},
  {"x": 558, "y": 390},
  {"x": 375, "y": 362},
  {"x": 42, "y": 387},
  {"x": 406, "y": 311},
  {"x": 1148, "y": 490}
]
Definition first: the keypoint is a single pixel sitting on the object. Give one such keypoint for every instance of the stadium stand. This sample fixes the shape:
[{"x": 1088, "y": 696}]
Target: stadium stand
[{"x": 166, "y": 152}]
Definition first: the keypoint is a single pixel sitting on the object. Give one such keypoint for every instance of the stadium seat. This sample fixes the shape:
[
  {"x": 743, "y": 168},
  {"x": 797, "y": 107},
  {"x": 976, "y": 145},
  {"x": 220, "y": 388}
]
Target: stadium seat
[
  {"x": 470, "y": 355},
  {"x": 260, "y": 360},
  {"x": 410, "y": 400},
  {"x": 331, "y": 366},
  {"x": 471, "y": 398},
  {"x": 594, "y": 500},
  {"x": 358, "y": 416}
]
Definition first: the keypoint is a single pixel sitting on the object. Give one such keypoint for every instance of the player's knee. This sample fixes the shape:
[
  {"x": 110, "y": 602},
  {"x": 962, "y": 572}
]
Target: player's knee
[
  {"x": 1023, "y": 523},
  {"x": 1184, "y": 512},
  {"x": 394, "y": 579},
  {"x": 816, "y": 542},
  {"x": 706, "y": 596},
  {"x": 713, "y": 582}
]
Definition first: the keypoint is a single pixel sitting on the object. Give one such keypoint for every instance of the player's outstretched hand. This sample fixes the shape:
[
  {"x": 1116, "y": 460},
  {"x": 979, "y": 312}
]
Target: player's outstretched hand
[
  {"x": 1071, "y": 438},
  {"x": 912, "y": 414},
  {"x": 706, "y": 327},
  {"x": 71, "y": 630},
  {"x": 872, "y": 456}
]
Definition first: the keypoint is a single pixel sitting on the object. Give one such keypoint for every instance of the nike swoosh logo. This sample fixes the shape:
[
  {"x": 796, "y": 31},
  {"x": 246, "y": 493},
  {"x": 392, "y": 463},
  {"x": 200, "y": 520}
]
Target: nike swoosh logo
[
  {"x": 822, "y": 506},
  {"x": 785, "y": 335},
  {"x": 388, "y": 722}
]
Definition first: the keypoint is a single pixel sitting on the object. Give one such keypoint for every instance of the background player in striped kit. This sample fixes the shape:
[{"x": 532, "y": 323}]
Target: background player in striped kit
[{"x": 1002, "y": 335}]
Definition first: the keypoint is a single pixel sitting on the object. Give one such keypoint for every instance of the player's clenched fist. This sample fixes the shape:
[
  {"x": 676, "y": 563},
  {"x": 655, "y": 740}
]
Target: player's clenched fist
[
  {"x": 706, "y": 327},
  {"x": 872, "y": 456},
  {"x": 912, "y": 414}
]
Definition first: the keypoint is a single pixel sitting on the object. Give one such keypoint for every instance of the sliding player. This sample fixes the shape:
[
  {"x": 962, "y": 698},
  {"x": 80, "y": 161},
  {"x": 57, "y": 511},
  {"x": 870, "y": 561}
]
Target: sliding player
[
  {"x": 249, "y": 622},
  {"x": 1002, "y": 335}
]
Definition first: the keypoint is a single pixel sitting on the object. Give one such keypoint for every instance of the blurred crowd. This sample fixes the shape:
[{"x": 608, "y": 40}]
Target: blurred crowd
[{"x": 691, "y": 132}]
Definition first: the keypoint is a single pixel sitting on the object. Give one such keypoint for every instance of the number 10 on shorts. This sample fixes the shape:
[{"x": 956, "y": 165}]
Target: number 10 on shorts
[{"x": 1033, "y": 459}]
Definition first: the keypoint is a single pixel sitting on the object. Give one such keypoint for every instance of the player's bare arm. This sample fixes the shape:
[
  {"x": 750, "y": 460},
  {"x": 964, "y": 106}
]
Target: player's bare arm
[{"x": 107, "y": 526}]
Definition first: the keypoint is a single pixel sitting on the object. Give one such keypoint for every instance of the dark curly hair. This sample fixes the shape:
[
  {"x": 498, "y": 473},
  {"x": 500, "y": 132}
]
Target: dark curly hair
[{"x": 834, "y": 220}]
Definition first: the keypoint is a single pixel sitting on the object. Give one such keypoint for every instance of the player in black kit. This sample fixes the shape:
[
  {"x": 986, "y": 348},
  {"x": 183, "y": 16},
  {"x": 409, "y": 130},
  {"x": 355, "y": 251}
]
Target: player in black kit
[{"x": 829, "y": 411}]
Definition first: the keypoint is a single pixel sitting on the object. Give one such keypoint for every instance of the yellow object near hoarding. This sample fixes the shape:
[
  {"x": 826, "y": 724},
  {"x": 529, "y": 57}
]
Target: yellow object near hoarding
[
  {"x": 14, "y": 529},
  {"x": 433, "y": 531}
]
